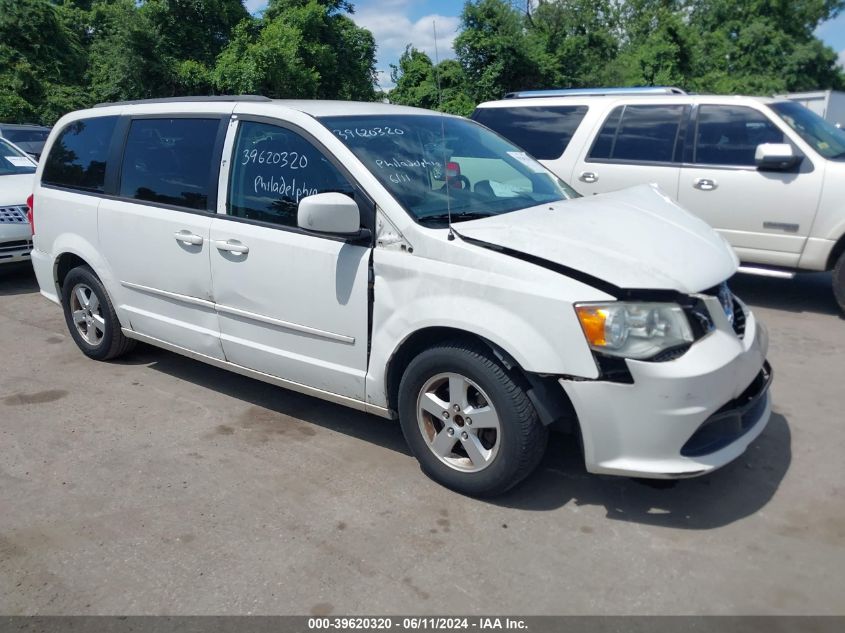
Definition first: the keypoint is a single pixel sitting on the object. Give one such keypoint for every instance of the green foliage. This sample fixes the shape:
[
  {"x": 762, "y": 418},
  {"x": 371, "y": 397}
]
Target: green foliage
[
  {"x": 263, "y": 59},
  {"x": 721, "y": 46},
  {"x": 300, "y": 48},
  {"x": 38, "y": 52},
  {"x": 61, "y": 55},
  {"x": 421, "y": 84},
  {"x": 497, "y": 52}
]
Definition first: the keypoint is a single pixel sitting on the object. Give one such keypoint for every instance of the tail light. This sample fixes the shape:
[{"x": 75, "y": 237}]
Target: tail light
[{"x": 30, "y": 212}]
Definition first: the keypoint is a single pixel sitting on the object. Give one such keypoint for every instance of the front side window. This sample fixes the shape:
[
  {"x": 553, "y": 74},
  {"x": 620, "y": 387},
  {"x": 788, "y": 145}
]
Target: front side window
[
  {"x": 640, "y": 133},
  {"x": 78, "y": 157},
  {"x": 729, "y": 135},
  {"x": 14, "y": 162},
  {"x": 544, "y": 131},
  {"x": 827, "y": 139},
  {"x": 170, "y": 161},
  {"x": 273, "y": 168},
  {"x": 437, "y": 165}
]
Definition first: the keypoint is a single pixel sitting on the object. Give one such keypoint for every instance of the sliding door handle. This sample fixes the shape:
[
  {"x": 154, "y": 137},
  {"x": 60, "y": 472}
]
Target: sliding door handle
[
  {"x": 231, "y": 246},
  {"x": 186, "y": 237}
]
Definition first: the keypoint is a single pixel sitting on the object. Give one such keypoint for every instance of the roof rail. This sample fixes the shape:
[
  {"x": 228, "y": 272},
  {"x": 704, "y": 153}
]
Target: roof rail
[
  {"x": 224, "y": 98},
  {"x": 595, "y": 92}
]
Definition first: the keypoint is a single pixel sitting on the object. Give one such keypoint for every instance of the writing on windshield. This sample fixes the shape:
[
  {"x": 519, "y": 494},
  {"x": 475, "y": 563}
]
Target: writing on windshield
[{"x": 433, "y": 164}]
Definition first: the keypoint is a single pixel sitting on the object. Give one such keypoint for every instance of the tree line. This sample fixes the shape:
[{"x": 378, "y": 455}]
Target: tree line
[
  {"x": 757, "y": 47},
  {"x": 60, "y": 55}
]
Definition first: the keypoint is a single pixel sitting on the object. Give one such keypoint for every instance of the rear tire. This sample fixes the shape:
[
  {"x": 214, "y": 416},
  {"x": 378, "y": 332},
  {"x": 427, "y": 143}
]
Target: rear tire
[
  {"x": 470, "y": 425},
  {"x": 90, "y": 316},
  {"x": 839, "y": 282}
]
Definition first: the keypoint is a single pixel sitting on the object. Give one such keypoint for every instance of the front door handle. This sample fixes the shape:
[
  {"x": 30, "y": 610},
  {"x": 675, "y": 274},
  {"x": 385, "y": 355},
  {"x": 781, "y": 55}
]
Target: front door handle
[
  {"x": 186, "y": 237},
  {"x": 232, "y": 246},
  {"x": 705, "y": 184},
  {"x": 588, "y": 177}
]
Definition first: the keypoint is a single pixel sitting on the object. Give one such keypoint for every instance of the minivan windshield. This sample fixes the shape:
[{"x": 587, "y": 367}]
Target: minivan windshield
[
  {"x": 14, "y": 162},
  {"x": 827, "y": 139},
  {"x": 433, "y": 164}
]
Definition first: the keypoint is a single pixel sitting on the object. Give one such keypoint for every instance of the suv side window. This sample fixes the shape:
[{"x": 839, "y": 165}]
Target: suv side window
[
  {"x": 77, "y": 159},
  {"x": 170, "y": 161},
  {"x": 729, "y": 135},
  {"x": 273, "y": 168},
  {"x": 543, "y": 131},
  {"x": 640, "y": 133}
]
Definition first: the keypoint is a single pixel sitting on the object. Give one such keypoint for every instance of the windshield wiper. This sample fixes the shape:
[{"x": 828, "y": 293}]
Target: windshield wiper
[{"x": 458, "y": 216}]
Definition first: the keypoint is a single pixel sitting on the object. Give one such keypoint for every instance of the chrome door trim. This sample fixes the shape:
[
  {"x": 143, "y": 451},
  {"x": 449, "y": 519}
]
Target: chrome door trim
[
  {"x": 342, "y": 338},
  {"x": 222, "y": 309},
  {"x": 196, "y": 301}
]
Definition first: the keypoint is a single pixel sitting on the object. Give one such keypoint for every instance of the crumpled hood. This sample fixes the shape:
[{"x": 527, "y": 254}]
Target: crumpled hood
[{"x": 637, "y": 238}]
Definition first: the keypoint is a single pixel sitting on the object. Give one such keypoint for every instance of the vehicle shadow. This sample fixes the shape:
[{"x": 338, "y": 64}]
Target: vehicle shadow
[
  {"x": 17, "y": 279},
  {"x": 727, "y": 495},
  {"x": 736, "y": 491},
  {"x": 369, "y": 428},
  {"x": 807, "y": 292}
]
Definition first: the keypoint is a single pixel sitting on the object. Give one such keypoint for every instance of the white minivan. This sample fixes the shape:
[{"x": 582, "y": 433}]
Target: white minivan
[{"x": 408, "y": 264}]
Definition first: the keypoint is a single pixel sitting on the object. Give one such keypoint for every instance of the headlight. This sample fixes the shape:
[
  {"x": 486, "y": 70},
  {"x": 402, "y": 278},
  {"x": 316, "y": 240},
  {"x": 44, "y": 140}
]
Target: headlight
[{"x": 634, "y": 330}]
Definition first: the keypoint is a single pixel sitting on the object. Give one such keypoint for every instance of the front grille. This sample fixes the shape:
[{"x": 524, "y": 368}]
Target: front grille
[
  {"x": 733, "y": 420},
  {"x": 13, "y": 215},
  {"x": 13, "y": 248},
  {"x": 739, "y": 319}
]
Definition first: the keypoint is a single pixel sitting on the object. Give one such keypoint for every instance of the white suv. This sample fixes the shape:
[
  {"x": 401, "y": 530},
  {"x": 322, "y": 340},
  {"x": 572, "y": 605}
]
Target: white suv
[
  {"x": 768, "y": 174},
  {"x": 308, "y": 244}
]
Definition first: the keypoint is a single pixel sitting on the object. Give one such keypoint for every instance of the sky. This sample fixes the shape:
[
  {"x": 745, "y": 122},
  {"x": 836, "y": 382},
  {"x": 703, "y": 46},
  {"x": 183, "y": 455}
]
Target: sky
[{"x": 395, "y": 23}]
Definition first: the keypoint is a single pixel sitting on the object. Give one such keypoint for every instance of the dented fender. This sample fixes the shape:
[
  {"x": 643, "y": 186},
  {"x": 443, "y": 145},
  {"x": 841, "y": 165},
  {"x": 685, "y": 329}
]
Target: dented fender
[{"x": 517, "y": 306}]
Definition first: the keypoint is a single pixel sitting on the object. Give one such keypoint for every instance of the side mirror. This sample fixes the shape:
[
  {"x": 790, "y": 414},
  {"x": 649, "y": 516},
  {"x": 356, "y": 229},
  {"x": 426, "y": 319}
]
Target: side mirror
[
  {"x": 776, "y": 157},
  {"x": 331, "y": 213}
]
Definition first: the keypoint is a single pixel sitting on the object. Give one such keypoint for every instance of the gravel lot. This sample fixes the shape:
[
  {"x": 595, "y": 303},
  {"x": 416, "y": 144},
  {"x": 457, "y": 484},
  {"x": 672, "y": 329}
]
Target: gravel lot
[{"x": 158, "y": 485}]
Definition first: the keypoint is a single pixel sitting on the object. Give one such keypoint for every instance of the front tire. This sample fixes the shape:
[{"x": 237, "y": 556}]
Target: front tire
[
  {"x": 90, "y": 316},
  {"x": 470, "y": 425},
  {"x": 839, "y": 282}
]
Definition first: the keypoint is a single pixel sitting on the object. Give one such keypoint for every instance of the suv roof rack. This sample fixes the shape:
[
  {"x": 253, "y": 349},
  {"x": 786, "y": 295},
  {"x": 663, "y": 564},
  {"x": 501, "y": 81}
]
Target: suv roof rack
[
  {"x": 188, "y": 99},
  {"x": 595, "y": 92}
]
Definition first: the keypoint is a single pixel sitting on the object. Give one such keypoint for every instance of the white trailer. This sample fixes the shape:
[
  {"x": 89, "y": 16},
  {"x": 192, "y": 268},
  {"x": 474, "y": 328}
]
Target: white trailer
[{"x": 828, "y": 104}]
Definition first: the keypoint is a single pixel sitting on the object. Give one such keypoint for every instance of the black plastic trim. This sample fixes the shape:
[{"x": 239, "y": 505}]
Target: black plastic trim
[
  {"x": 732, "y": 421},
  {"x": 205, "y": 99}
]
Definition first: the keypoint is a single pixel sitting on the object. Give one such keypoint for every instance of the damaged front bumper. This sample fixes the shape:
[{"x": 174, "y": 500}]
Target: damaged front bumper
[{"x": 680, "y": 418}]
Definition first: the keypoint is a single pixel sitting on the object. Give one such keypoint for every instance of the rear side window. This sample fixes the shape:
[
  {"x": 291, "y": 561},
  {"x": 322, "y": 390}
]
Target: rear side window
[
  {"x": 273, "y": 168},
  {"x": 77, "y": 159},
  {"x": 171, "y": 161},
  {"x": 729, "y": 135},
  {"x": 544, "y": 131},
  {"x": 640, "y": 133}
]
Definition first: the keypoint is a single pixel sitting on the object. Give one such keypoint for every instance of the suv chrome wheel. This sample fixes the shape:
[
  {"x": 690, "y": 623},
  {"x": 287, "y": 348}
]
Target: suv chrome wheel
[
  {"x": 87, "y": 314},
  {"x": 458, "y": 422}
]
